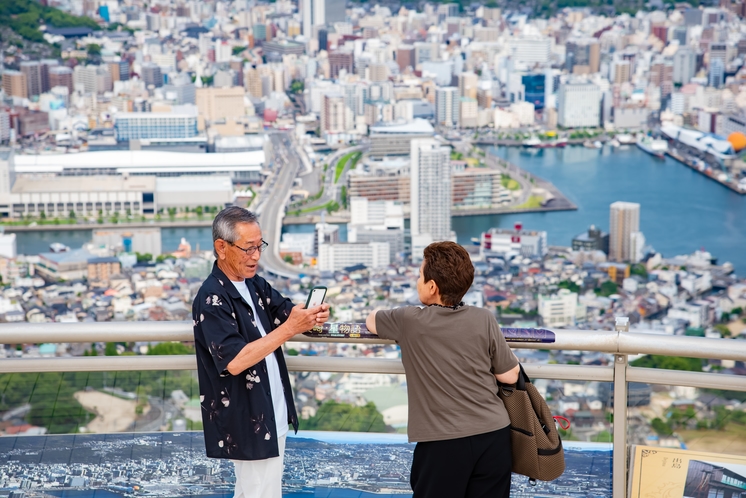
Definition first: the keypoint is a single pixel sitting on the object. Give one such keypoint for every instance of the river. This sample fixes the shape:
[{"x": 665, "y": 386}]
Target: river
[{"x": 681, "y": 210}]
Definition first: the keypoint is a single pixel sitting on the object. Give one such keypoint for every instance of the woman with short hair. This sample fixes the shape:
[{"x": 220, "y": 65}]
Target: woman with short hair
[{"x": 453, "y": 354}]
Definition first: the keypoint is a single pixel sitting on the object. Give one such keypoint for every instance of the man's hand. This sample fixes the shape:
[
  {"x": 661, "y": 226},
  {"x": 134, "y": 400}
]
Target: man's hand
[{"x": 302, "y": 319}]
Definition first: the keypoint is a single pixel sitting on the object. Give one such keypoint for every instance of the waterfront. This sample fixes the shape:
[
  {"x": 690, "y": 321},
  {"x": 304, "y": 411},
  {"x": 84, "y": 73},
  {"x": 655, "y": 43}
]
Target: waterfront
[{"x": 681, "y": 210}]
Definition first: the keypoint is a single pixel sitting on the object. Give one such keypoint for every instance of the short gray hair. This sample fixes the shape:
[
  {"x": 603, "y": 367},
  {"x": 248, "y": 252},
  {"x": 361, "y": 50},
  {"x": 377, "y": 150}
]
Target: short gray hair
[{"x": 224, "y": 224}]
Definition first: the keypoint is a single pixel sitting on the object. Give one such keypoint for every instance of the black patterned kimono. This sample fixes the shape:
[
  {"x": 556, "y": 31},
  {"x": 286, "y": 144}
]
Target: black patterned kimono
[{"x": 237, "y": 411}]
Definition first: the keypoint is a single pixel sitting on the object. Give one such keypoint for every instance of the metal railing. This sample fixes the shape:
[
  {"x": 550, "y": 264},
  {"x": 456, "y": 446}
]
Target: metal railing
[{"x": 621, "y": 343}]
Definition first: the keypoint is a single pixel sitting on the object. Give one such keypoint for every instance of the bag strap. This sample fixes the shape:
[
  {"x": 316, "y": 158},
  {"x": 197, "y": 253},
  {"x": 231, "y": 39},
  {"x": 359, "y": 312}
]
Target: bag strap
[{"x": 522, "y": 379}]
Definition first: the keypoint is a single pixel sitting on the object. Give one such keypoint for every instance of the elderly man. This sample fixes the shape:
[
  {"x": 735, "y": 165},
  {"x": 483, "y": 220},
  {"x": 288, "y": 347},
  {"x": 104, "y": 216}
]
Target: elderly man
[{"x": 240, "y": 324}]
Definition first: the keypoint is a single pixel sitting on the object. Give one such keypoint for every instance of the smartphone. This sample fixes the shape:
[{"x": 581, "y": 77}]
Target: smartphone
[{"x": 316, "y": 297}]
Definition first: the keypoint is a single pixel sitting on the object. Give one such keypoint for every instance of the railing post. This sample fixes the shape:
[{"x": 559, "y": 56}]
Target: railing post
[{"x": 620, "y": 416}]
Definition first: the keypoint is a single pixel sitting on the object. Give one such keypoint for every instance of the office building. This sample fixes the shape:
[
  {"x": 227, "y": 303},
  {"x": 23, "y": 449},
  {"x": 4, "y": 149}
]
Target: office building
[
  {"x": 579, "y": 105},
  {"x": 313, "y": 14},
  {"x": 216, "y": 104},
  {"x": 624, "y": 219},
  {"x": 32, "y": 70},
  {"x": 334, "y": 11},
  {"x": 684, "y": 65},
  {"x": 430, "y": 194},
  {"x": 426, "y": 51},
  {"x": 335, "y": 257},
  {"x": 447, "y": 103},
  {"x": 119, "y": 70},
  {"x": 151, "y": 75},
  {"x": 530, "y": 49},
  {"x": 535, "y": 89},
  {"x": 592, "y": 240},
  {"x": 14, "y": 84},
  {"x": 396, "y": 139},
  {"x": 560, "y": 310},
  {"x": 478, "y": 188},
  {"x": 504, "y": 242},
  {"x": 583, "y": 56},
  {"x": 148, "y": 125},
  {"x": 61, "y": 76},
  {"x": 181, "y": 90}
]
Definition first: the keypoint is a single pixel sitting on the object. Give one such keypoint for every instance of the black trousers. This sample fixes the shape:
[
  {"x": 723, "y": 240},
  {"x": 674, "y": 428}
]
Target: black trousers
[{"x": 470, "y": 467}]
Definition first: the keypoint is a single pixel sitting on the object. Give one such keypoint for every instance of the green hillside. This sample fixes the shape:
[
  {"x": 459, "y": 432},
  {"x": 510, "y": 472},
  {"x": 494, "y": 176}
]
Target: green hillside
[{"x": 26, "y": 16}]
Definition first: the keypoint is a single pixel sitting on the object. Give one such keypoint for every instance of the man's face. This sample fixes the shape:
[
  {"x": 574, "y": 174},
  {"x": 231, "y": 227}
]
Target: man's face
[{"x": 234, "y": 262}]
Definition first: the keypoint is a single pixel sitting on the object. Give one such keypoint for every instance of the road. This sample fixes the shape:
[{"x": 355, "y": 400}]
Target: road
[
  {"x": 332, "y": 190},
  {"x": 273, "y": 197}
]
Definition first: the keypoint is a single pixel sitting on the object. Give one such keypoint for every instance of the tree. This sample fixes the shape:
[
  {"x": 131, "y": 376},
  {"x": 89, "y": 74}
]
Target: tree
[
  {"x": 288, "y": 259},
  {"x": 71, "y": 214},
  {"x": 170, "y": 348},
  {"x": 144, "y": 258},
  {"x": 237, "y": 50},
  {"x": 111, "y": 349},
  {"x": 199, "y": 211},
  {"x": 42, "y": 215},
  {"x": 93, "y": 49},
  {"x": 607, "y": 288},
  {"x": 669, "y": 363},
  {"x": 333, "y": 416},
  {"x": 297, "y": 86},
  {"x": 569, "y": 285},
  {"x": 171, "y": 213}
]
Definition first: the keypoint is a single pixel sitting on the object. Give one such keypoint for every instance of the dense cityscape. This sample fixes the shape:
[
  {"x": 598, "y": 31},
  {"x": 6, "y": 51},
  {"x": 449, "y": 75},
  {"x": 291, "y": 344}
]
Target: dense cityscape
[{"x": 359, "y": 133}]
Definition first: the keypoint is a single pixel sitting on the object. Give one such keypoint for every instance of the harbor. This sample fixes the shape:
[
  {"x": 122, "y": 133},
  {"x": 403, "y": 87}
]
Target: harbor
[{"x": 700, "y": 167}]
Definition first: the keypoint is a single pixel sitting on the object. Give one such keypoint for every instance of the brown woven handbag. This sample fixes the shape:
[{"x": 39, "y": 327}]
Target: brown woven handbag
[{"x": 536, "y": 446}]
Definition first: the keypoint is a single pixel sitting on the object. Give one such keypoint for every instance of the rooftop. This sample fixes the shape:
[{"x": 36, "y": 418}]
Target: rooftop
[
  {"x": 110, "y": 183},
  {"x": 416, "y": 126}
]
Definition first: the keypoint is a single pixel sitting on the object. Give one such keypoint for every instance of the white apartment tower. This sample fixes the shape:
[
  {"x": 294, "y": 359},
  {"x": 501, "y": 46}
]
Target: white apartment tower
[
  {"x": 579, "y": 105},
  {"x": 313, "y": 13},
  {"x": 430, "y": 194},
  {"x": 624, "y": 220},
  {"x": 447, "y": 106},
  {"x": 333, "y": 112}
]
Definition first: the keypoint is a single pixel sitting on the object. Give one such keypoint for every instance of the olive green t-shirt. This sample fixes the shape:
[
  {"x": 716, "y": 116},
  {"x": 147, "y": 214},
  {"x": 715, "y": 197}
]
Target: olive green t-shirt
[{"x": 450, "y": 357}]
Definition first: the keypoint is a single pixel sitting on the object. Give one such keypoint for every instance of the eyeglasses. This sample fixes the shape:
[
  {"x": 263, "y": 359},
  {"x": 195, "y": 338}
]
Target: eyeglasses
[{"x": 251, "y": 249}]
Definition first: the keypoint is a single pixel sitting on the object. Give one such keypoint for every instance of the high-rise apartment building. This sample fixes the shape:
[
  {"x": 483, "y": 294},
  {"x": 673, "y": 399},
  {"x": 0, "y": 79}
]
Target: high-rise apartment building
[
  {"x": 430, "y": 194},
  {"x": 624, "y": 219},
  {"x": 468, "y": 112},
  {"x": 684, "y": 65},
  {"x": 32, "y": 70},
  {"x": 61, "y": 76},
  {"x": 405, "y": 57},
  {"x": 339, "y": 61},
  {"x": 333, "y": 113},
  {"x": 215, "y": 104},
  {"x": 579, "y": 105},
  {"x": 716, "y": 73},
  {"x": 620, "y": 71},
  {"x": 14, "y": 84},
  {"x": 447, "y": 103},
  {"x": 46, "y": 65},
  {"x": 467, "y": 85},
  {"x": 253, "y": 82}
]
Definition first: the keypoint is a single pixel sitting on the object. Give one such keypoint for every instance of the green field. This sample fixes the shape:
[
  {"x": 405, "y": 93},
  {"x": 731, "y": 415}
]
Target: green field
[{"x": 533, "y": 202}]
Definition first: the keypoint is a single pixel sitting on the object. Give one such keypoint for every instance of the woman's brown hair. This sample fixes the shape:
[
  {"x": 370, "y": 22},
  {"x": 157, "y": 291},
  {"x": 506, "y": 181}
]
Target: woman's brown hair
[{"x": 449, "y": 265}]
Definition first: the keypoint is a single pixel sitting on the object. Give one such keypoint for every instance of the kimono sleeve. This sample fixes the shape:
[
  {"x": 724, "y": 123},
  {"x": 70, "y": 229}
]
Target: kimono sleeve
[{"x": 217, "y": 321}]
